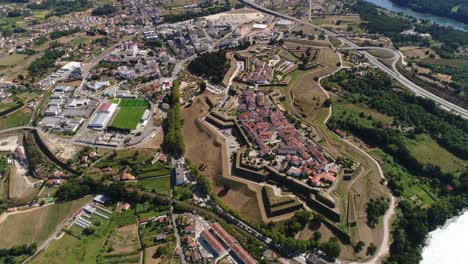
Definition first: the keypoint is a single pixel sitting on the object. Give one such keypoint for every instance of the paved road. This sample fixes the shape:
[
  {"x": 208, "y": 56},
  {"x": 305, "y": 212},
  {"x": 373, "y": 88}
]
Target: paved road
[{"x": 442, "y": 103}]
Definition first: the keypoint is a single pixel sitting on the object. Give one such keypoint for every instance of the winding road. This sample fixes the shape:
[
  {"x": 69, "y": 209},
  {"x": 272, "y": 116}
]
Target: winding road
[
  {"x": 418, "y": 90},
  {"x": 383, "y": 248}
]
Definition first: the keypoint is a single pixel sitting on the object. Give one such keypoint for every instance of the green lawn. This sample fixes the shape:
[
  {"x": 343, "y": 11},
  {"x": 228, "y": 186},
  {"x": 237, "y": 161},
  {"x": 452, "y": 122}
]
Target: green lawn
[
  {"x": 36, "y": 226},
  {"x": 160, "y": 185},
  {"x": 427, "y": 151},
  {"x": 156, "y": 169},
  {"x": 129, "y": 114}
]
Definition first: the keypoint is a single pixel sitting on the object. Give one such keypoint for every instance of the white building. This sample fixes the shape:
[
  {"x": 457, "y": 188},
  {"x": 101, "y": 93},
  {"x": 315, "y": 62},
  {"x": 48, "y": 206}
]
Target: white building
[
  {"x": 97, "y": 85},
  {"x": 180, "y": 171}
]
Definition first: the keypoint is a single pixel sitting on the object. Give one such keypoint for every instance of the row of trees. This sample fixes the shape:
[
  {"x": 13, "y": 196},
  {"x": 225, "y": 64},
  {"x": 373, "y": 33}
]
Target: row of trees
[
  {"x": 41, "y": 65},
  {"x": 174, "y": 139},
  {"x": 8, "y": 255},
  {"x": 62, "y": 33},
  {"x": 105, "y": 10},
  {"x": 80, "y": 187}
]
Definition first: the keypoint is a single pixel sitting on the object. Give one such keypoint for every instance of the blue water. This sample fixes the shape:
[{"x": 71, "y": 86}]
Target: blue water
[{"x": 387, "y": 4}]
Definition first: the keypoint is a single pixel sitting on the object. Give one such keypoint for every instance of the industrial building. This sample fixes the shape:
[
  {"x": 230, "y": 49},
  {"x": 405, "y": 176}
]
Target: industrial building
[{"x": 103, "y": 116}]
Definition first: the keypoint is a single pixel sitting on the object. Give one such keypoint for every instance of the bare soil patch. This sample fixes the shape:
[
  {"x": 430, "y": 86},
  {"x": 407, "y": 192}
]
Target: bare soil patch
[
  {"x": 61, "y": 148},
  {"x": 202, "y": 146}
]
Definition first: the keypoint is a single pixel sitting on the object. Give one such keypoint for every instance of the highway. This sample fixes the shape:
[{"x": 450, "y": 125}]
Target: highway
[{"x": 418, "y": 90}]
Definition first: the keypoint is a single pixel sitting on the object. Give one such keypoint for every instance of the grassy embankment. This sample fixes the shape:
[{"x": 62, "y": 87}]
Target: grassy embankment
[{"x": 36, "y": 225}]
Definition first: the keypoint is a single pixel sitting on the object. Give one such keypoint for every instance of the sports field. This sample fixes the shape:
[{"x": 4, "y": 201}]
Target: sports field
[{"x": 129, "y": 114}]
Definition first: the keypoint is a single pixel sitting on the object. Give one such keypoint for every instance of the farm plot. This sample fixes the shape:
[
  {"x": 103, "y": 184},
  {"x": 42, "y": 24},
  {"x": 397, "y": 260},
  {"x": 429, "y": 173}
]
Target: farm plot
[
  {"x": 156, "y": 232},
  {"x": 129, "y": 114},
  {"x": 37, "y": 224},
  {"x": 122, "y": 246}
]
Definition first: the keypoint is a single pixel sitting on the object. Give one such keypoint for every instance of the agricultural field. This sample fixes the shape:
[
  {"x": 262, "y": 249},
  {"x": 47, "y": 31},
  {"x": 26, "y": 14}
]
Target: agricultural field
[
  {"x": 17, "y": 228},
  {"x": 129, "y": 114},
  {"x": 122, "y": 245},
  {"x": 148, "y": 210},
  {"x": 11, "y": 59},
  {"x": 152, "y": 229},
  {"x": 113, "y": 241},
  {"x": 427, "y": 151},
  {"x": 338, "y": 22},
  {"x": 160, "y": 185},
  {"x": 70, "y": 249}
]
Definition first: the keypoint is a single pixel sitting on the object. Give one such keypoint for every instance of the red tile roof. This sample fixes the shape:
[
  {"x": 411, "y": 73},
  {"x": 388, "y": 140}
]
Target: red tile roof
[
  {"x": 327, "y": 176},
  {"x": 225, "y": 236},
  {"x": 245, "y": 257},
  {"x": 105, "y": 107},
  {"x": 214, "y": 243}
]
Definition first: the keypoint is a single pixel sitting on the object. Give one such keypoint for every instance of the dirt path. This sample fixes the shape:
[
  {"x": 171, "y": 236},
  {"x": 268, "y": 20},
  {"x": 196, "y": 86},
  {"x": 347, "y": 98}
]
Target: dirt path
[
  {"x": 5, "y": 215},
  {"x": 383, "y": 248}
]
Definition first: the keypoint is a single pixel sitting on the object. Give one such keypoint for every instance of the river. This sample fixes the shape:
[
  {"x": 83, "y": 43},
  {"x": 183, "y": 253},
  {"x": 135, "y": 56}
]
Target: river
[
  {"x": 448, "y": 244},
  {"x": 387, "y": 4}
]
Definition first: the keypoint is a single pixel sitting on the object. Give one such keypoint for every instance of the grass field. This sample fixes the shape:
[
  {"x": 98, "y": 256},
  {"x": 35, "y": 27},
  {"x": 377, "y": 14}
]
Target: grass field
[
  {"x": 72, "y": 250},
  {"x": 156, "y": 169},
  {"x": 428, "y": 151},
  {"x": 18, "y": 118},
  {"x": 129, "y": 114},
  {"x": 8, "y": 105},
  {"x": 122, "y": 243},
  {"x": 384, "y": 54},
  {"x": 36, "y": 226},
  {"x": 11, "y": 59},
  {"x": 160, "y": 185},
  {"x": 411, "y": 186}
]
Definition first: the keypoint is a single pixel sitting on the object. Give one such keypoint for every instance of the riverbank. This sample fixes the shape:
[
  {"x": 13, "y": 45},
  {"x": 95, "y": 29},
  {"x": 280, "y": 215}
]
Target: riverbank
[
  {"x": 447, "y": 244},
  {"x": 444, "y": 21}
]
